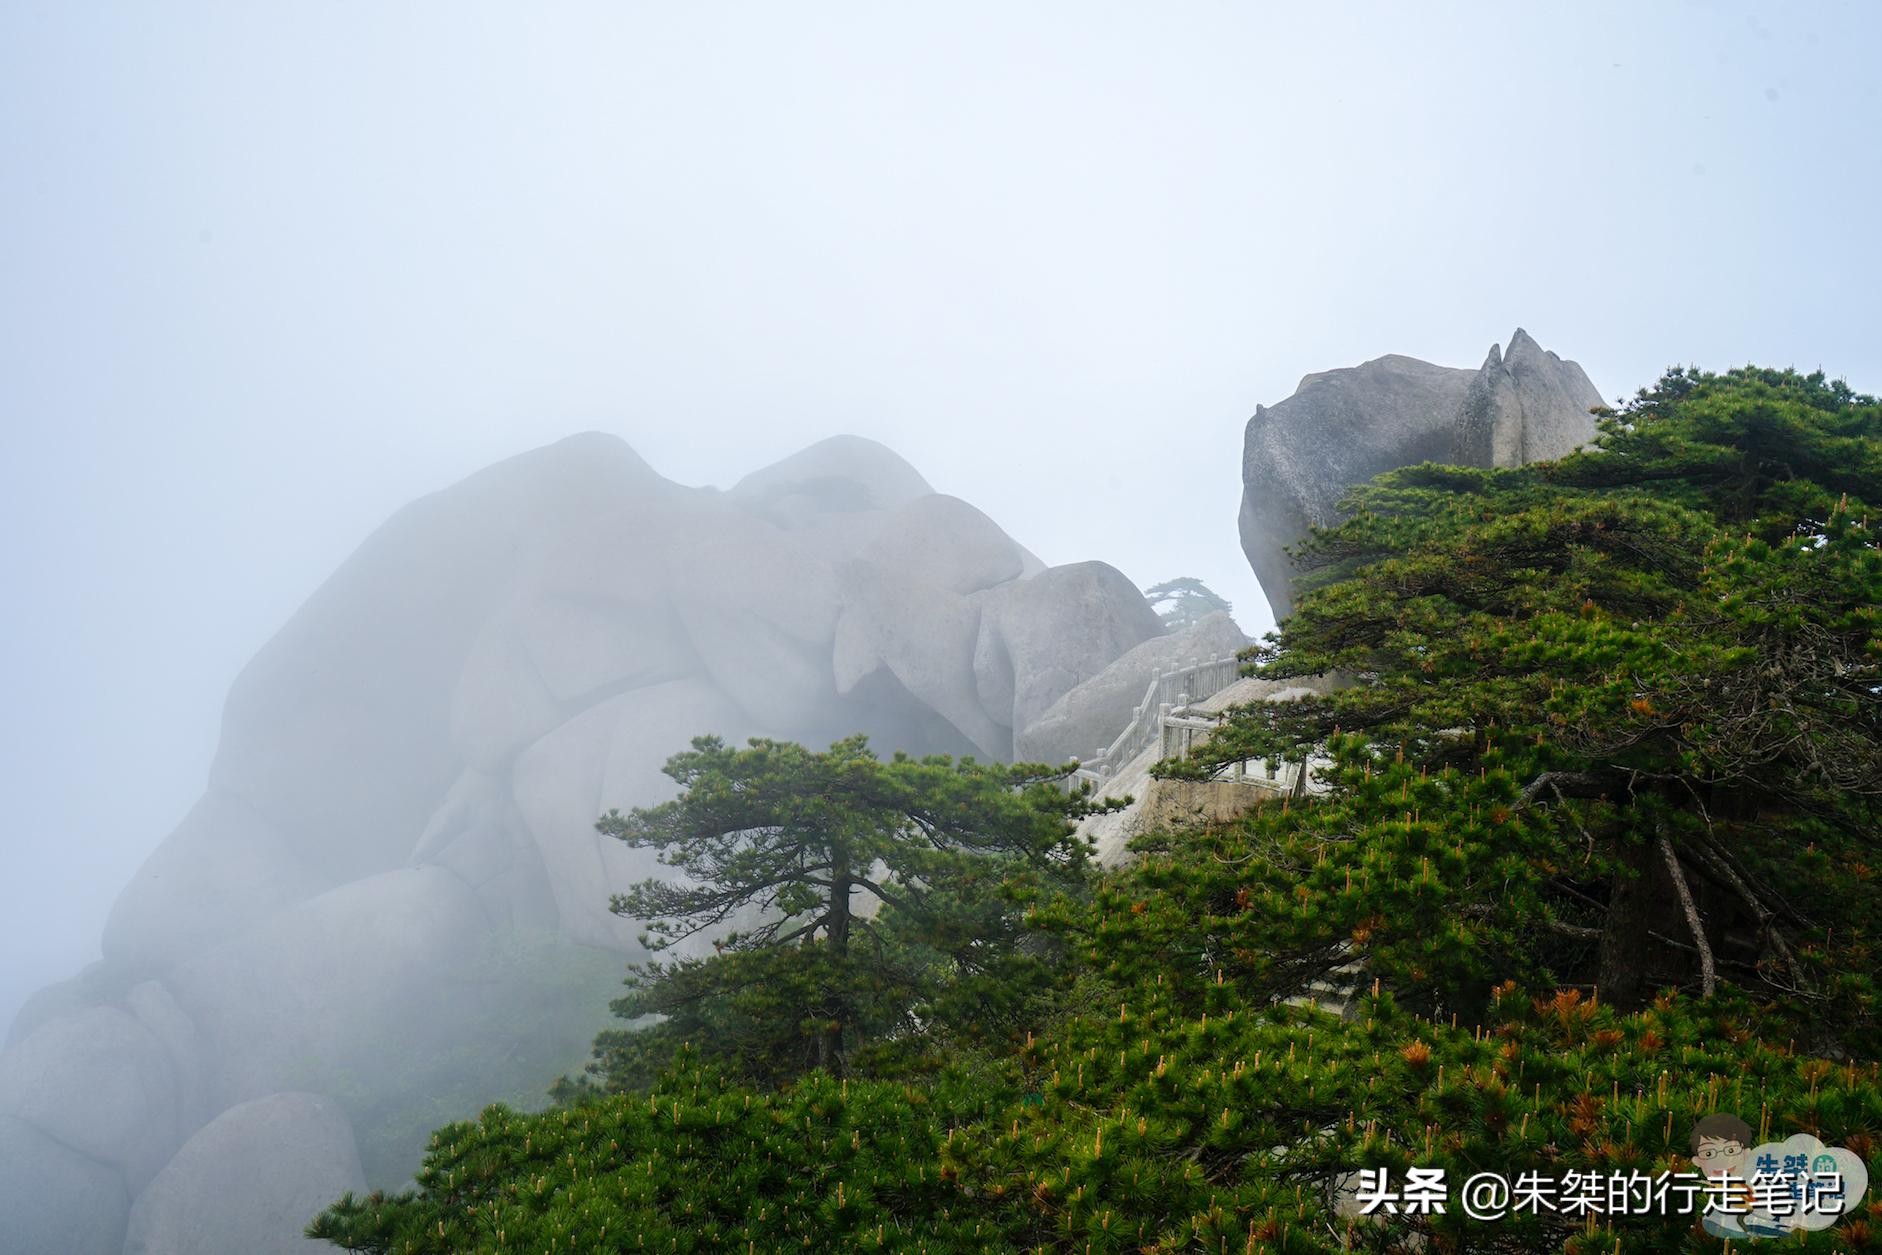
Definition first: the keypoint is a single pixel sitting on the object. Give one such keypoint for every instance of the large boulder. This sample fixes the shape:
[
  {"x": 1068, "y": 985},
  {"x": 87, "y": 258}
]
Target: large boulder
[
  {"x": 760, "y": 611},
  {"x": 154, "y": 1007},
  {"x": 922, "y": 638},
  {"x": 1339, "y": 428},
  {"x": 1089, "y": 716},
  {"x": 54, "y": 1200},
  {"x": 250, "y": 1181},
  {"x": 841, "y": 475},
  {"x": 589, "y": 617},
  {"x": 1042, "y": 637},
  {"x": 225, "y": 868},
  {"x": 338, "y": 737},
  {"x": 51, "y": 1002},
  {"x": 1342, "y": 427},
  {"x": 308, "y": 997},
  {"x": 943, "y": 542},
  {"x": 101, "y": 1083},
  {"x": 609, "y": 757},
  {"x": 340, "y": 729},
  {"x": 393, "y": 895},
  {"x": 1526, "y": 405},
  {"x": 479, "y": 835}
]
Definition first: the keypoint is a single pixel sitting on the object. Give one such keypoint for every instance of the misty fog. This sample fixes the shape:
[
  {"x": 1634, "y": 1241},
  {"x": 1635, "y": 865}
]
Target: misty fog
[{"x": 271, "y": 272}]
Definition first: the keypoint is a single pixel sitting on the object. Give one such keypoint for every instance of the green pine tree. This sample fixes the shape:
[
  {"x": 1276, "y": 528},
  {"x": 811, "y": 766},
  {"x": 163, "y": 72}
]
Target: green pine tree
[
  {"x": 1184, "y": 602},
  {"x": 857, "y": 901},
  {"x": 1626, "y": 709},
  {"x": 1558, "y": 675}
]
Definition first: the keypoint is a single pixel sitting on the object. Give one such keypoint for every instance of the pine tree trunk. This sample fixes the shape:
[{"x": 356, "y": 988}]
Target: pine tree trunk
[
  {"x": 830, "y": 1045},
  {"x": 1625, "y": 980}
]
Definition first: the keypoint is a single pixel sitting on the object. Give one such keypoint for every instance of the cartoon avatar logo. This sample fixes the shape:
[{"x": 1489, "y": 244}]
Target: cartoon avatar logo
[
  {"x": 1720, "y": 1143},
  {"x": 1817, "y": 1185}
]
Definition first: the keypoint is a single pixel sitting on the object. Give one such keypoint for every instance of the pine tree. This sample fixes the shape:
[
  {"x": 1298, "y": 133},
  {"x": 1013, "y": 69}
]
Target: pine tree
[
  {"x": 1557, "y": 675},
  {"x": 1184, "y": 602},
  {"x": 1660, "y": 660},
  {"x": 853, "y": 897}
]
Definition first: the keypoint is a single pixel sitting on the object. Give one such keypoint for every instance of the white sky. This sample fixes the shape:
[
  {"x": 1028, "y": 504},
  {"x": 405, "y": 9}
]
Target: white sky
[{"x": 268, "y": 271}]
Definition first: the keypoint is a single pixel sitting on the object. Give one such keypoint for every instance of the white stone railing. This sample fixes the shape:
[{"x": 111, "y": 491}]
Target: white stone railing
[
  {"x": 1191, "y": 682},
  {"x": 1177, "y": 728},
  {"x": 1184, "y": 729}
]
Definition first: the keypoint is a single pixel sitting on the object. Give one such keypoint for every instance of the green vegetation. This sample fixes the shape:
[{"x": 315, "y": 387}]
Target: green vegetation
[
  {"x": 857, "y": 904},
  {"x": 1639, "y": 697},
  {"x": 1597, "y": 851},
  {"x": 1184, "y": 602}
]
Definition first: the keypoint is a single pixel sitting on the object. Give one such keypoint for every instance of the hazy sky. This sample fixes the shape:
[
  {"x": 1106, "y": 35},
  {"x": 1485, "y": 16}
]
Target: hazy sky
[{"x": 268, "y": 271}]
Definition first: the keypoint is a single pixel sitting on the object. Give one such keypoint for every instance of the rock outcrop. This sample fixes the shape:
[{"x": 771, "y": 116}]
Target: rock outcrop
[
  {"x": 56, "y": 1200},
  {"x": 1085, "y": 719},
  {"x": 249, "y": 1180},
  {"x": 1342, "y": 427},
  {"x": 1526, "y": 405},
  {"x": 1040, "y": 638},
  {"x": 390, "y": 905}
]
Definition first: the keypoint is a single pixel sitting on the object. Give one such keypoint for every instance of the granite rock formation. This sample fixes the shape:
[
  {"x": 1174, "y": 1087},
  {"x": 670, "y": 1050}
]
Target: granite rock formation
[
  {"x": 1342, "y": 427},
  {"x": 247, "y": 1181},
  {"x": 390, "y": 905},
  {"x": 1085, "y": 719}
]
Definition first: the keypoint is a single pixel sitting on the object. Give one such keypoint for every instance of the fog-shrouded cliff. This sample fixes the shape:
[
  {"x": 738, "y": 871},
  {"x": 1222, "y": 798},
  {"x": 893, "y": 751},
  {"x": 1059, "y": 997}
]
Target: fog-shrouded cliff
[
  {"x": 1342, "y": 427},
  {"x": 390, "y": 905}
]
